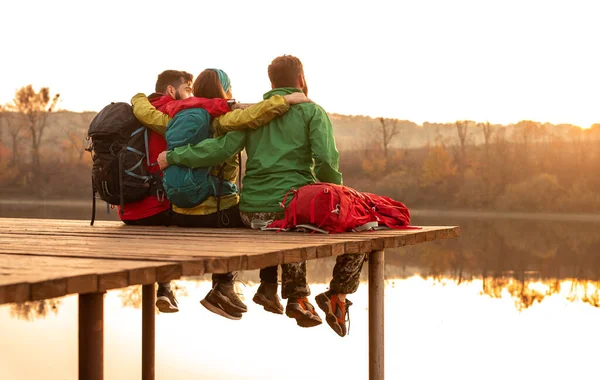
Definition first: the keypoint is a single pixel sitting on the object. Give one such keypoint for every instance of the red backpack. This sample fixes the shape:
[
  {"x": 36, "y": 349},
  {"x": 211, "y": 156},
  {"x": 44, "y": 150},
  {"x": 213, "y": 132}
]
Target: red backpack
[{"x": 337, "y": 208}]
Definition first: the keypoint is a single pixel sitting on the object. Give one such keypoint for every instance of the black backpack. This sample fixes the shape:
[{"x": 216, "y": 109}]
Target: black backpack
[{"x": 119, "y": 146}]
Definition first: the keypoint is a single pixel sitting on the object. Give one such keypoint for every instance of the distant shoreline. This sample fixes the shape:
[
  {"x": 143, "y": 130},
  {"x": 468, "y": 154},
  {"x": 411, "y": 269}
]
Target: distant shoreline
[{"x": 472, "y": 214}]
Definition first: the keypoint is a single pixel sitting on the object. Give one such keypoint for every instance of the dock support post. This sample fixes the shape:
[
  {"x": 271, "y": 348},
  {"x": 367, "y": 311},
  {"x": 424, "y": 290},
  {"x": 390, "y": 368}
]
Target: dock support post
[
  {"x": 376, "y": 336},
  {"x": 148, "y": 331},
  {"x": 91, "y": 336}
]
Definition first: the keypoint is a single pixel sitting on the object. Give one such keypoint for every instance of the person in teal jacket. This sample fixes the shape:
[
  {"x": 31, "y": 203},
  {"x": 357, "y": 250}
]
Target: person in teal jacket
[{"x": 294, "y": 150}]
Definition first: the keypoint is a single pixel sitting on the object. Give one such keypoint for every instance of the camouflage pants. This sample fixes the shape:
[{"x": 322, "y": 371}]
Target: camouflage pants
[
  {"x": 346, "y": 273},
  {"x": 293, "y": 275}
]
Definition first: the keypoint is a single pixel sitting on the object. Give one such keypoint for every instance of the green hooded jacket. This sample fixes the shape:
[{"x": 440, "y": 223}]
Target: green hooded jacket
[{"x": 281, "y": 156}]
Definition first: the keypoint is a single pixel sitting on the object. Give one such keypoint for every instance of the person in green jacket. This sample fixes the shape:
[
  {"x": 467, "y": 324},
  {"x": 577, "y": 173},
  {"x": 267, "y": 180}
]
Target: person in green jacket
[{"x": 291, "y": 151}]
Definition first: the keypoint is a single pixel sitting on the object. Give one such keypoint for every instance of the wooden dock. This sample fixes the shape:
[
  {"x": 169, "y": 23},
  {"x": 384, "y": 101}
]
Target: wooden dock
[{"x": 47, "y": 258}]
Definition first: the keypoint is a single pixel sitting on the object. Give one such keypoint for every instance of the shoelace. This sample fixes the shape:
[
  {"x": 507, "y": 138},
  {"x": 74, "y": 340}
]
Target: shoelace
[
  {"x": 235, "y": 279},
  {"x": 348, "y": 316}
]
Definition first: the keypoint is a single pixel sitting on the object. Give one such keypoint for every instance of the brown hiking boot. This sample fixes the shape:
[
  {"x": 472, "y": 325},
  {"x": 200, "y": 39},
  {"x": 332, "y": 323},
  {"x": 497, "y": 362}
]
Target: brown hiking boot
[
  {"x": 267, "y": 297},
  {"x": 304, "y": 313},
  {"x": 336, "y": 311},
  {"x": 223, "y": 300},
  {"x": 165, "y": 300},
  {"x": 214, "y": 302},
  {"x": 226, "y": 289}
]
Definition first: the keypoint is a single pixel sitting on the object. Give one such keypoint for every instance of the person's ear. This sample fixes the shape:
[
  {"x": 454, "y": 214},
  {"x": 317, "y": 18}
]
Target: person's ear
[
  {"x": 301, "y": 82},
  {"x": 171, "y": 91}
]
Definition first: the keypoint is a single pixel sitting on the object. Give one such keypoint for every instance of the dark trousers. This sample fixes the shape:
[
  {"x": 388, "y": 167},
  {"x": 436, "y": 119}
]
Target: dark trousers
[
  {"x": 293, "y": 275},
  {"x": 228, "y": 218},
  {"x": 293, "y": 279},
  {"x": 161, "y": 219}
]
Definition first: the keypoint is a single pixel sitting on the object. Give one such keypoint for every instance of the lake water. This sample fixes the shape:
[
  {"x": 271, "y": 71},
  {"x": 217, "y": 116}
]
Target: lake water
[{"x": 513, "y": 298}]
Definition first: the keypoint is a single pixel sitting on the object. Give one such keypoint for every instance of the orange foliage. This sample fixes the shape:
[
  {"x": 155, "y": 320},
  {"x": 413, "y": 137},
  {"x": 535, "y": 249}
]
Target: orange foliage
[{"x": 438, "y": 168}]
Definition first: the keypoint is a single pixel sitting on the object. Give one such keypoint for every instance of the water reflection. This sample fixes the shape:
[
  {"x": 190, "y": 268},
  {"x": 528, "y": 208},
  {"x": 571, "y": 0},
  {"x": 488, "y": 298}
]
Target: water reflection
[
  {"x": 428, "y": 320},
  {"x": 30, "y": 311},
  {"x": 507, "y": 294}
]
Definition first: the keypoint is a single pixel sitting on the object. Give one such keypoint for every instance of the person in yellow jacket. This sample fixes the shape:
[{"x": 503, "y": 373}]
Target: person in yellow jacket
[{"x": 214, "y": 211}]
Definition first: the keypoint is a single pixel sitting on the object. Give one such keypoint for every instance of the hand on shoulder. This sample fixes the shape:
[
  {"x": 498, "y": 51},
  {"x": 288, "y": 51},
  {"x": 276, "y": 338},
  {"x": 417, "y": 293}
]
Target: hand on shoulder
[{"x": 297, "y": 98}]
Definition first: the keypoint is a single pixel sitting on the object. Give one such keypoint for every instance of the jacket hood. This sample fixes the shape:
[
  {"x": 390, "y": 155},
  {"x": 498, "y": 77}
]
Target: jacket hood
[
  {"x": 159, "y": 101},
  {"x": 281, "y": 91}
]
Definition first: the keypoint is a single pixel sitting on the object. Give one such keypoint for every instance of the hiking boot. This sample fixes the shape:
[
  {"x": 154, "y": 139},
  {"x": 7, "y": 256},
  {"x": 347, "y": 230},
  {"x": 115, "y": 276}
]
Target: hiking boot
[
  {"x": 267, "y": 297},
  {"x": 303, "y": 312},
  {"x": 336, "y": 311},
  {"x": 166, "y": 301},
  {"x": 226, "y": 290},
  {"x": 223, "y": 300},
  {"x": 212, "y": 302}
]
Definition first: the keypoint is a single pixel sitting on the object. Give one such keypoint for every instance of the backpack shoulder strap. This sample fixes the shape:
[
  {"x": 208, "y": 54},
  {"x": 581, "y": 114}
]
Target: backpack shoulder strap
[{"x": 219, "y": 193}]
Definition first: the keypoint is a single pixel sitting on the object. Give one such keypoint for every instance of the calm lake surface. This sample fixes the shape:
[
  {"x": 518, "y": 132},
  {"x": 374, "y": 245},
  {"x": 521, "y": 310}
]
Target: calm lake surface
[{"x": 513, "y": 298}]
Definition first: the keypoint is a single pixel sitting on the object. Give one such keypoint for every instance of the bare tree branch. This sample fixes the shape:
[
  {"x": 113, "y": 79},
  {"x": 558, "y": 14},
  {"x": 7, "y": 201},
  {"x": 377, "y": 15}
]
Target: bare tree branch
[
  {"x": 36, "y": 107},
  {"x": 389, "y": 130}
]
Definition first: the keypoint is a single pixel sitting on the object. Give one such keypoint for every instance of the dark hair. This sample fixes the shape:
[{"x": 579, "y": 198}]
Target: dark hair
[
  {"x": 284, "y": 71},
  {"x": 173, "y": 78},
  {"x": 207, "y": 85}
]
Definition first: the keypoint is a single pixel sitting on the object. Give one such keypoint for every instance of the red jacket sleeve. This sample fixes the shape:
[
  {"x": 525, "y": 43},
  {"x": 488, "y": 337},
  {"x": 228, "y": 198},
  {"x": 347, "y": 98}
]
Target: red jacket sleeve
[{"x": 215, "y": 107}]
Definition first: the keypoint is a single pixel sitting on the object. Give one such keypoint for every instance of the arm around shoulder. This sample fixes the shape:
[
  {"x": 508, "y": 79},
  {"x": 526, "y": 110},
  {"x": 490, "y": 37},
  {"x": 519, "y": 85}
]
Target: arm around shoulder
[
  {"x": 251, "y": 117},
  {"x": 209, "y": 152},
  {"x": 148, "y": 115}
]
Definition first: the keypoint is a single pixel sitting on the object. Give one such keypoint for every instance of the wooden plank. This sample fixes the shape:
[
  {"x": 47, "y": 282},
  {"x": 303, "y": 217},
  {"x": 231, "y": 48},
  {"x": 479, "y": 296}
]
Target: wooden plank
[
  {"x": 30, "y": 278},
  {"x": 116, "y": 227},
  {"x": 48, "y": 258},
  {"x": 381, "y": 239},
  {"x": 376, "y": 239},
  {"x": 216, "y": 244},
  {"x": 17, "y": 292},
  {"x": 284, "y": 238}
]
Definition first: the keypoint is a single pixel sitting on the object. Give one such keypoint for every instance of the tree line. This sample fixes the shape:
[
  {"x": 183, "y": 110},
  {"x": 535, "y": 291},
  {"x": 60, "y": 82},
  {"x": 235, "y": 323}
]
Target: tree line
[{"x": 526, "y": 166}]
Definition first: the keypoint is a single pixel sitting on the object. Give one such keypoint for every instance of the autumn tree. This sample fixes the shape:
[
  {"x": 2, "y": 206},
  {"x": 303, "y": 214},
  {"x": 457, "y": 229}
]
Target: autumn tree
[
  {"x": 14, "y": 124},
  {"x": 389, "y": 130},
  {"x": 2, "y": 116},
  {"x": 462, "y": 132},
  {"x": 76, "y": 138},
  {"x": 36, "y": 107},
  {"x": 2, "y": 112},
  {"x": 526, "y": 132},
  {"x": 438, "y": 169},
  {"x": 487, "y": 136}
]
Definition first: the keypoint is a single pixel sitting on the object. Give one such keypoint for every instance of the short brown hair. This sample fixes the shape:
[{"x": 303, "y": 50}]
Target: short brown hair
[
  {"x": 284, "y": 71},
  {"x": 207, "y": 85},
  {"x": 173, "y": 78}
]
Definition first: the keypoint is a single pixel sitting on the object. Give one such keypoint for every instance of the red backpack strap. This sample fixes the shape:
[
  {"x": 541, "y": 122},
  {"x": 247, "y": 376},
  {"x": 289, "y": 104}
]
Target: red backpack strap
[
  {"x": 292, "y": 207},
  {"x": 332, "y": 207}
]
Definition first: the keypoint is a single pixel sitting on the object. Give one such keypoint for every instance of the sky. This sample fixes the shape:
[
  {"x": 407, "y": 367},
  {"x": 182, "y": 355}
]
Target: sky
[{"x": 419, "y": 60}]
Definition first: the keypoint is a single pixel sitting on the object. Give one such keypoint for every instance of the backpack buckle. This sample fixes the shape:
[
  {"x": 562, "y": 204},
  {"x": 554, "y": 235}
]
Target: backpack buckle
[
  {"x": 110, "y": 149},
  {"x": 160, "y": 195}
]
